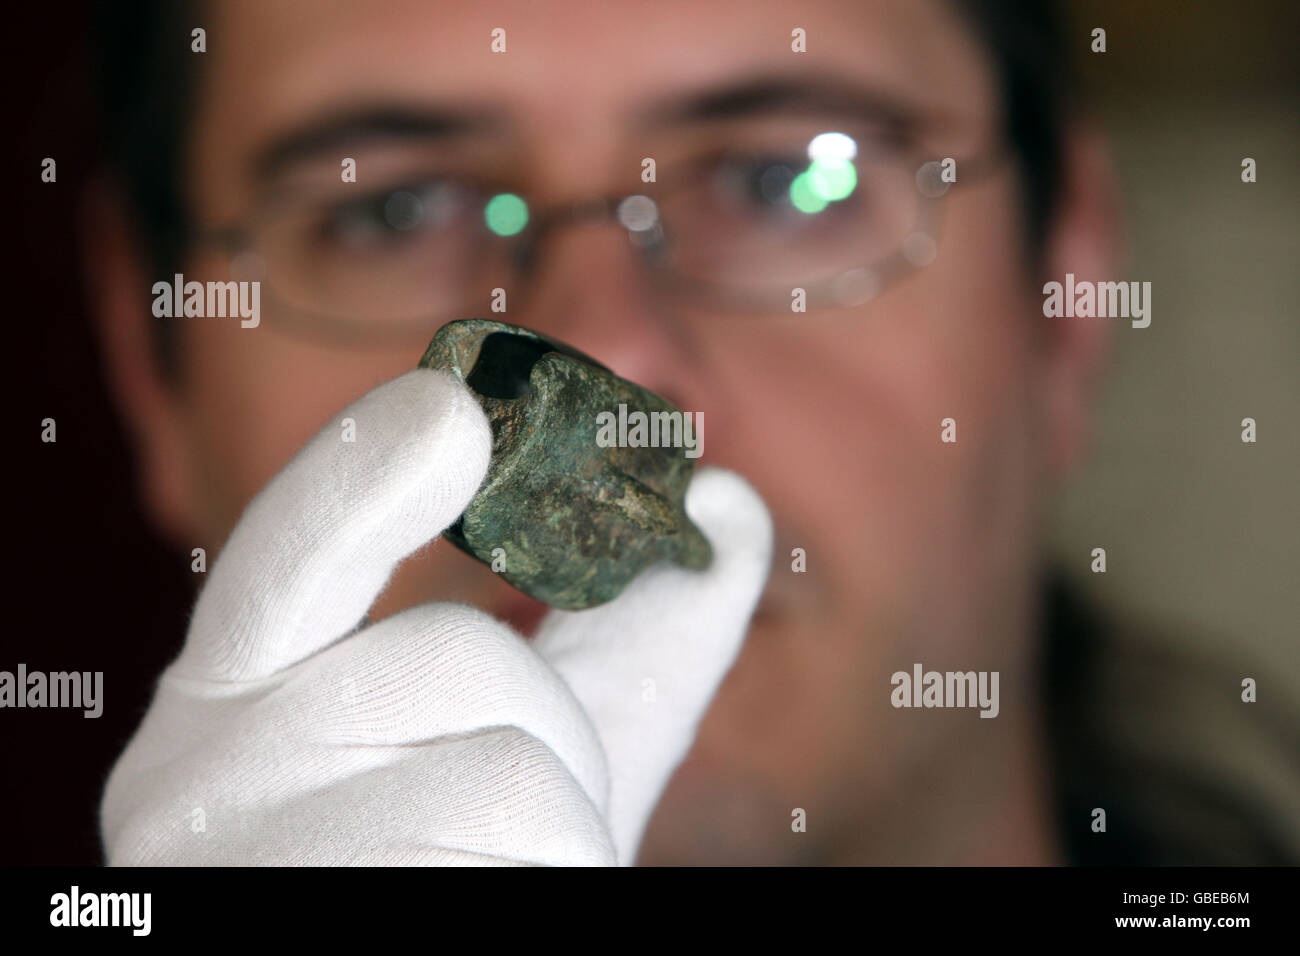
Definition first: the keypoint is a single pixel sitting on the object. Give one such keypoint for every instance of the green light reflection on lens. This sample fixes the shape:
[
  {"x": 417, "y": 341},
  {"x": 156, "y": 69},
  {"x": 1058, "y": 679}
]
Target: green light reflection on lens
[
  {"x": 831, "y": 179},
  {"x": 505, "y": 214},
  {"x": 802, "y": 196}
]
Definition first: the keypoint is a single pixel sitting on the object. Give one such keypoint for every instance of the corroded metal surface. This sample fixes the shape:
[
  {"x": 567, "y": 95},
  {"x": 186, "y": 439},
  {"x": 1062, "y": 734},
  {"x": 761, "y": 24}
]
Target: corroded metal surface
[{"x": 574, "y": 522}]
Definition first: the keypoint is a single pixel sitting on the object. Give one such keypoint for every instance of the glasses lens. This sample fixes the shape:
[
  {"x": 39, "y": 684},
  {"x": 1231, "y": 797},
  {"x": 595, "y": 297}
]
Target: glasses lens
[
  {"x": 792, "y": 214},
  {"x": 397, "y": 254}
]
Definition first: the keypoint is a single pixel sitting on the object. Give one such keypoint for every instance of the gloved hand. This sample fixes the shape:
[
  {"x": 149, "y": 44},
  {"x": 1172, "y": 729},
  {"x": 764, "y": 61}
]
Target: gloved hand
[{"x": 283, "y": 734}]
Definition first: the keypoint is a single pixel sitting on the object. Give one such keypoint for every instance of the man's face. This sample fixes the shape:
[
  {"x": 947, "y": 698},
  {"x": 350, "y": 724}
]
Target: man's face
[{"x": 917, "y": 550}]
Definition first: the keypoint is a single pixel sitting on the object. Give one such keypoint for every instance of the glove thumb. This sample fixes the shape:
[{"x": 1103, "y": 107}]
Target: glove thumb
[{"x": 646, "y": 665}]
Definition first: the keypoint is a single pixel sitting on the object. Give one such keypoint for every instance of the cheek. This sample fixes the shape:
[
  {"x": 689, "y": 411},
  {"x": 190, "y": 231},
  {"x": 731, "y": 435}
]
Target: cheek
[
  {"x": 836, "y": 417},
  {"x": 254, "y": 397}
]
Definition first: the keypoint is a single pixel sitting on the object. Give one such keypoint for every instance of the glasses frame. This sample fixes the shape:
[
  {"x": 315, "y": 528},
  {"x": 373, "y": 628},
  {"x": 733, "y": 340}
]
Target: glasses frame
[{"x": 238, "y": 243}]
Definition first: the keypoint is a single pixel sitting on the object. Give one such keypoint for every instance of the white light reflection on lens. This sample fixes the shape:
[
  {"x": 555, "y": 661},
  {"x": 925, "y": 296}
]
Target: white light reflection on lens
[{"x": 832, "y": 148}]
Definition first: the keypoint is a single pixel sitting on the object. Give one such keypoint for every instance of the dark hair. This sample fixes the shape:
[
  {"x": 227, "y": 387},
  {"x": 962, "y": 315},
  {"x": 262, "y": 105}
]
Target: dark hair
[
  {"x": 148, "y": 76},
  {"x": 1026, "y": 44}
]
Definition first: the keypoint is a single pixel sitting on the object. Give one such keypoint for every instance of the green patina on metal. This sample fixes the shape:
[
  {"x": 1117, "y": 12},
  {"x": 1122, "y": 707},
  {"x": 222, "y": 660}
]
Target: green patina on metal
[{"x": 576, "y": 521}]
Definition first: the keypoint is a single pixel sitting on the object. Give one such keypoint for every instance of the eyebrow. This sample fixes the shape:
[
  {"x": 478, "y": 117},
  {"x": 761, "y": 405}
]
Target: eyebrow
[
  {"x": 771, "y": 95},
  {"x": 329, "y": 133}
]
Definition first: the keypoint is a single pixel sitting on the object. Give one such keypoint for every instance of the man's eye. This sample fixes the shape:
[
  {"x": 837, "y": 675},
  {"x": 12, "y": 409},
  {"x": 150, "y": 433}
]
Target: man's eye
[
  {"x": 759, "y": 183},
  {"x": 394, "y": 216},
  {"x": 780, "y": 186}
]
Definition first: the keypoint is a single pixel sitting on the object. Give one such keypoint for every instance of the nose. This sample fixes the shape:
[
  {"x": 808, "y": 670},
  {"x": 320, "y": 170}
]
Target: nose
[{"x": 591, "y": 290}]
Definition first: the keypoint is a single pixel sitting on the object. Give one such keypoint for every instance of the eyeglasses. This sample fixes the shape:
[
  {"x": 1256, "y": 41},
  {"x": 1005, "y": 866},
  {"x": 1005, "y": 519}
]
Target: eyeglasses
[{"x": 736, "y": 228}]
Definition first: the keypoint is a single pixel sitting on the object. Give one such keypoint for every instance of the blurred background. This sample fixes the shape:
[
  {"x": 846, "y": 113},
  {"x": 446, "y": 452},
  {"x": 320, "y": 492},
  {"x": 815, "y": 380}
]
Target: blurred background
[
  {"x": 1197, "y": 526},
  {"x": 1199, "y": 529}
]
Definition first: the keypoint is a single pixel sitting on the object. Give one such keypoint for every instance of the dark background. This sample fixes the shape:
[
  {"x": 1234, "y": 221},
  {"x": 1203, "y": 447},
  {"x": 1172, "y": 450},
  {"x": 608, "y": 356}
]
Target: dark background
[{"x": 88, "y": 587}]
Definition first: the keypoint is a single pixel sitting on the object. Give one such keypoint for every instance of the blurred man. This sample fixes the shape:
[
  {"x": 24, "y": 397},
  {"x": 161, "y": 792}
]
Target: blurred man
[{"x": 871, "y": 355}]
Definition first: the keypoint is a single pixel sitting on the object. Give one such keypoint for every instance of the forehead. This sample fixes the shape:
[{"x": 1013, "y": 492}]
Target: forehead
[{"x": 575, "y": 72}]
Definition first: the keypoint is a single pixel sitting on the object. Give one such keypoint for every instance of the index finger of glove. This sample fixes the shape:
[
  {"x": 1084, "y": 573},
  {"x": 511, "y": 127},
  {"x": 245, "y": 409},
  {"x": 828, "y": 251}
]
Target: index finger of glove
[{"x": 318, "y": 544}]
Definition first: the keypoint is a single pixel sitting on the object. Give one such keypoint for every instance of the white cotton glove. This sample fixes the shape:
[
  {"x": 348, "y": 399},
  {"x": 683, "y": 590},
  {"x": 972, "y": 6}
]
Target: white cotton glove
[{"x": 284, "y": 735}]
